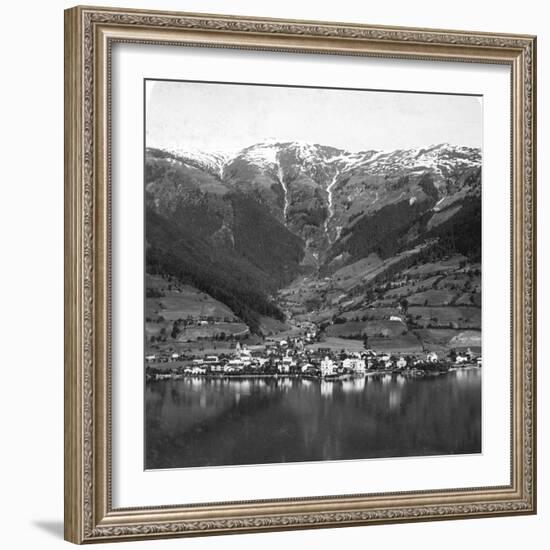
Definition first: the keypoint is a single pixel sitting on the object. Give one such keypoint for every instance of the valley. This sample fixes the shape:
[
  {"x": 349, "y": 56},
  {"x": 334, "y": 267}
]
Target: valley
[{"x": 363, "y": 249}]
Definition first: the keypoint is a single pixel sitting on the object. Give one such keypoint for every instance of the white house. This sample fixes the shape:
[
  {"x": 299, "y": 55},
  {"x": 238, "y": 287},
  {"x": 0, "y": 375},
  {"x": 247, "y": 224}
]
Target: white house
[
  {"x": 401, "y": 363},
  {"x": 354, "y": 364},
  {"x": 328, "y": 367},
  {"x": 284, "y": 366},
  {"x": 234, "y": 365},
  {"x": 396, "y": 318},
  {"x": 261, "y": 361}
]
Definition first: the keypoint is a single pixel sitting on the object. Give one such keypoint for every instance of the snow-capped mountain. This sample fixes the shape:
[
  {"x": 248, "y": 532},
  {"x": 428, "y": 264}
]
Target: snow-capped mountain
[
  {"x": 212, "y": 162},
  {"x": 318, "y": 192},
  {"x": 444, "y": 159},
  {"x": 246, "y": 223}
]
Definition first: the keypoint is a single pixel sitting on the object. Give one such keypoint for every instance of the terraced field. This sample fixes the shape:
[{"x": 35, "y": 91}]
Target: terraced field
[
  {"x": 430, "y": 306},
  {"x": 180, "y": 313}
]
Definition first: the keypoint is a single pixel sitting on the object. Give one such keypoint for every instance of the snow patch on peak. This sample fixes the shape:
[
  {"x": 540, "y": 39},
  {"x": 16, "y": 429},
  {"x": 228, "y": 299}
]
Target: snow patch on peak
[
  {"x": 438, "y": 158},
  {"x": 262, "y": 154},
  {"x": 213, "y": 162}
]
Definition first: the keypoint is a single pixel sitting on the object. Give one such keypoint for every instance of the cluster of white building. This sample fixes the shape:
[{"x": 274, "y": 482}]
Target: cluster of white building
[
  {"x": 285, "y": 357},
  {"x": 354, "y": 365}
]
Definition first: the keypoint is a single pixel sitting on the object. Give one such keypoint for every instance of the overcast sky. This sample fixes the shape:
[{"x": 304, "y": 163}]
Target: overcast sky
[{"x": 228, "y": 117}]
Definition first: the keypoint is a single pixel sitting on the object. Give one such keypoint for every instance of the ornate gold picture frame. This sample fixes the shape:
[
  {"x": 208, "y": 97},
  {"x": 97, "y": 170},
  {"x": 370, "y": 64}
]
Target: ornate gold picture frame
[{"x": 90, "y": 34}]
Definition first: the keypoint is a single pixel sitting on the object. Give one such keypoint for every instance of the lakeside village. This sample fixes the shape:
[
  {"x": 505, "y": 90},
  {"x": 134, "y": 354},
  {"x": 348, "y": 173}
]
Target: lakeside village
[{"x": 290, "y": 358}]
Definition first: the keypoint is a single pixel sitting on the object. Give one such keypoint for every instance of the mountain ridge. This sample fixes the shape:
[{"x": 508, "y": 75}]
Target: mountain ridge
[
  {"x": 277, "y": 210},
  {"x": 264, "y": 153}
]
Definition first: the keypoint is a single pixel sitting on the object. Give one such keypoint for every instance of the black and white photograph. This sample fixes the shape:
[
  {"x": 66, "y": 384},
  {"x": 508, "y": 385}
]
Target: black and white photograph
[
  {"x": 312, "y": 274},
  {"x": 272, "y": 275}
]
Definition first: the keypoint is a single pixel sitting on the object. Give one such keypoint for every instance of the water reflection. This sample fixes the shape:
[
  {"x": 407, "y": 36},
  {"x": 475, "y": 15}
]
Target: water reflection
[
  {"x": 354, "y": 384},
  {"x": 207, "y": 421},
  {"x": 327, "y": 387}
]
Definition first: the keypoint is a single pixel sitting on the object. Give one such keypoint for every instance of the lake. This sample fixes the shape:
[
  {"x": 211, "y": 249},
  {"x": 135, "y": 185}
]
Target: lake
[{"x": 205, "y": 421}]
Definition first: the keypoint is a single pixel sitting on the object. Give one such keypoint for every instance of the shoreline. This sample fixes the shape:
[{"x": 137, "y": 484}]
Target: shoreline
[{"x": 335, "y": 378}]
